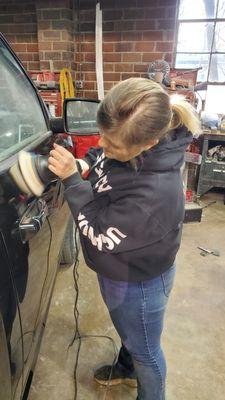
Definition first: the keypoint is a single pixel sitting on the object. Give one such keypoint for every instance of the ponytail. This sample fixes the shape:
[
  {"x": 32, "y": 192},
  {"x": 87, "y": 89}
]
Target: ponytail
[{"x": 184, "y": 114}]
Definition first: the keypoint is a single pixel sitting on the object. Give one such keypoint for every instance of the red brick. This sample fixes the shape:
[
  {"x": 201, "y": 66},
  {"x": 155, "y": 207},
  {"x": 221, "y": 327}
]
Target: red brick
[
  {"x": 170, "y": 12},
  {"x": 51, "y": 35},
  {"x": 140, "y": 67},
  {"x": 153, "y": 36},
  {"x": 89, "y": 86},
  {"x": 26, "y": 56},
  {"x": 108, "y": 26},
  {"x": 90, "y": 95},
  {"x": 36, "y": 56},
  {"x": 167, "y": 2},
  {"x": 130, "y": 75},
  {"x": 108, "y": 4},
  {"x": 134, "y": 14},
  {"x": 166, "y": 24},
  {"x": 19, "y": 47},
  {"x": 52, "y": 55},
  {"x": 90, "y": 76},
  {"x": 124, "y": 67},
  {"x": 87, "y": 4},
  {"x": 131, "y": 36},
  {"x": 4, "y": 28},
  {"x": 79, "y": 57},
  {"x": 29, "y": 7},
  {"x": 112, "y": 57},
  {"x": 123, "y": 47},
  {"x": 11, "y": 38},
  {"x": 89, "y": 37},
  {"x": 61, "y": 46},
  {"x": 32, "y": 47},
  {"x": 88, "y": 66},
  {"x": 112, "y": 15},
  {"x": 146, "y": 3},
  {"x": 45, "y": 46},
  {"x": 111, "y": 76},
  {"x": 90, "y": 57},
  {"x": 124, "y": 26},
  {"x": 51, "y": 14},
  {"x": 154, "y": 13},
  {"x": 169, "y": 35},
  {"x": 17, "y": 28},
  {"x": 125, "y": 3},
  {"x": 145, "y": 25},
  {"x": 131, "y": 57},
  {"x": 43, "y": 25},
  {"x": 109, "y": 67},
  {"x": 108, "y": 47},
  {"x": 144, "y": 46},
  {"x": 88, "y": 47},
  {"x": 66, "y": 36},
  {"x": 87, "y": 15},
  {"x": 112, "y": 37},
  {"x": 108, "y": 85},
  {"x": 33, "y": 66},
  {"x": 164, "y": 46},
  {"x": 58, "y": 65},
  {"x": 87, "y": 27},
  {"x": 22, "y": 38},
  {"x": 23, "y": 18},
  {"x": 61, "y": 24},
  {"x": 147, "y": 57},
  {"x": 45, "y": 65},
  {"x": 6, "y": 19}
]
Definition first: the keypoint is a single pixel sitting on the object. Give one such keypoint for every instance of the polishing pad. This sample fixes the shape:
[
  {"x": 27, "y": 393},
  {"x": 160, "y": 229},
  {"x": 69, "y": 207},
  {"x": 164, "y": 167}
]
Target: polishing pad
[
  {"x": 17, "y": 177},
  {"x": 25, "y": 174}
]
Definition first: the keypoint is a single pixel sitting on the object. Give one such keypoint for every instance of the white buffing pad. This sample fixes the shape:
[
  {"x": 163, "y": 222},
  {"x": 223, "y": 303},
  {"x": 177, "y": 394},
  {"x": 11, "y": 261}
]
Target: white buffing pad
[
  {"x": 17, "y": 177},
  {"x": 28, "y": 172}
]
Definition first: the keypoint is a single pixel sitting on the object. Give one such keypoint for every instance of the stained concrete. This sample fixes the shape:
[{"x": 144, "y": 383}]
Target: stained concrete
[{"x": 194, "y": 334}]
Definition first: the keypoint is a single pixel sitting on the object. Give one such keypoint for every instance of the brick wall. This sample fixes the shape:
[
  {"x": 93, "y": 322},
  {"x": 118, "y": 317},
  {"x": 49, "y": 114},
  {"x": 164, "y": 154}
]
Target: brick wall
[
  {"x": 18, "y": 22},
  {"x": 135, "y": 32}
]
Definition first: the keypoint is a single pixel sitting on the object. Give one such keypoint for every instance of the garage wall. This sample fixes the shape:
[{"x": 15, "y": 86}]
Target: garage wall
[
  {"x": 18, "y": 22},
  {"x": 57, "y": 33},
  {"x": 135, "y": 32}
]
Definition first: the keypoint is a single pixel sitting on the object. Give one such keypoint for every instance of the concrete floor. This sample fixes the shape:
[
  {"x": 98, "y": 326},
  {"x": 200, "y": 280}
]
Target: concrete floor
[{"x": 194, "y": 334}]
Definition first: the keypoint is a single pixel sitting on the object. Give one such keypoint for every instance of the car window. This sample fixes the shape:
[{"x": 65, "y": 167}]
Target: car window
[{"x": 21, "y": 116}]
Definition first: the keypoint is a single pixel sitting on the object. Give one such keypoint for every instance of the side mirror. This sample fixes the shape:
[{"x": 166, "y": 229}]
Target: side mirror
[{"x": 80, "y": 116}]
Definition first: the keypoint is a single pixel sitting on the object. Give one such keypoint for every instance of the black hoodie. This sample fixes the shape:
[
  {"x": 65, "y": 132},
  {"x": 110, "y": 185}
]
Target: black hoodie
[{"x": 130, "y": 219}]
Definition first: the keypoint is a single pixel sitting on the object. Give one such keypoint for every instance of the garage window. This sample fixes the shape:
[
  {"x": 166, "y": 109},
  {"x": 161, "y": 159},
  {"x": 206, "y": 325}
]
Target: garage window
[{"x": 201, "y": 43}]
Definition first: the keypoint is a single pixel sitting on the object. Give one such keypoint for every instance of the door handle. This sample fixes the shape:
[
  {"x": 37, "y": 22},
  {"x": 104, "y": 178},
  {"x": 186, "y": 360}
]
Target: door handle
[{"x": 32, "y": 221}]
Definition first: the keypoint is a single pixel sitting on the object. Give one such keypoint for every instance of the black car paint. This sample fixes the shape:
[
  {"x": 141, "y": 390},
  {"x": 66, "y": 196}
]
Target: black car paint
[{"x": 28, "y": 266}]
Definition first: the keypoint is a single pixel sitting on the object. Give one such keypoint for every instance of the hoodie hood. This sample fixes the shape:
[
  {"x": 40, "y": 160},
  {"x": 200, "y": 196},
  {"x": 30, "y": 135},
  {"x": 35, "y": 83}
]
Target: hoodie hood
[{"x": 168, "y": 154}]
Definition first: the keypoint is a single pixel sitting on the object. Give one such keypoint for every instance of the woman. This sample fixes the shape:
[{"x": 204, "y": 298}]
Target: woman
[{"x": 129, "y": 213}]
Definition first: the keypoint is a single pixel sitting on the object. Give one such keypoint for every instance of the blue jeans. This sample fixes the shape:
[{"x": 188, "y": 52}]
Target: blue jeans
[{"x": 137, "y": 311}]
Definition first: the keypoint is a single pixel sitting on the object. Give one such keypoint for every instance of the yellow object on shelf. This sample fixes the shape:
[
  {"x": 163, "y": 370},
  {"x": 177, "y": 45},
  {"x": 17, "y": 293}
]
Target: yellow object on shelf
[{"x": 66, "y": 84}]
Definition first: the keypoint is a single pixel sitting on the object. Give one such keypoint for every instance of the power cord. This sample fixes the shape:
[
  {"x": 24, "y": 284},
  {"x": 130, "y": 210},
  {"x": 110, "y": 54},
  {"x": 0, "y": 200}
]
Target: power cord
[{"x": 77, "y": 336}]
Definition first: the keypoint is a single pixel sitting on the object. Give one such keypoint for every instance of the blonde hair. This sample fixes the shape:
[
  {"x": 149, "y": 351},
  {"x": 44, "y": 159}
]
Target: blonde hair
[{"x": 140, "y": 110}]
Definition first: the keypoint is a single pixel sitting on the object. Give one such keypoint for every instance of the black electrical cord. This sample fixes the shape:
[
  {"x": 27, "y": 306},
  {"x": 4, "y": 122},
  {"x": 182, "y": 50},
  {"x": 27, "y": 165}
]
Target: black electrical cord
[{"x": 77, "y": 335}]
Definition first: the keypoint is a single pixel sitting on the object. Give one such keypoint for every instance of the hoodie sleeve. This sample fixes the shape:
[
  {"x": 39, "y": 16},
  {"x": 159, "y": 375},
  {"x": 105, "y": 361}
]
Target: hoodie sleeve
[
  {"x": 91, "y": 156},
  {"x": 122, "y": 225}
]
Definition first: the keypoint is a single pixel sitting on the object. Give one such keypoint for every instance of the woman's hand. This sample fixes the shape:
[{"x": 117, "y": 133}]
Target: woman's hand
[{"x": 62, "y": 162}]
